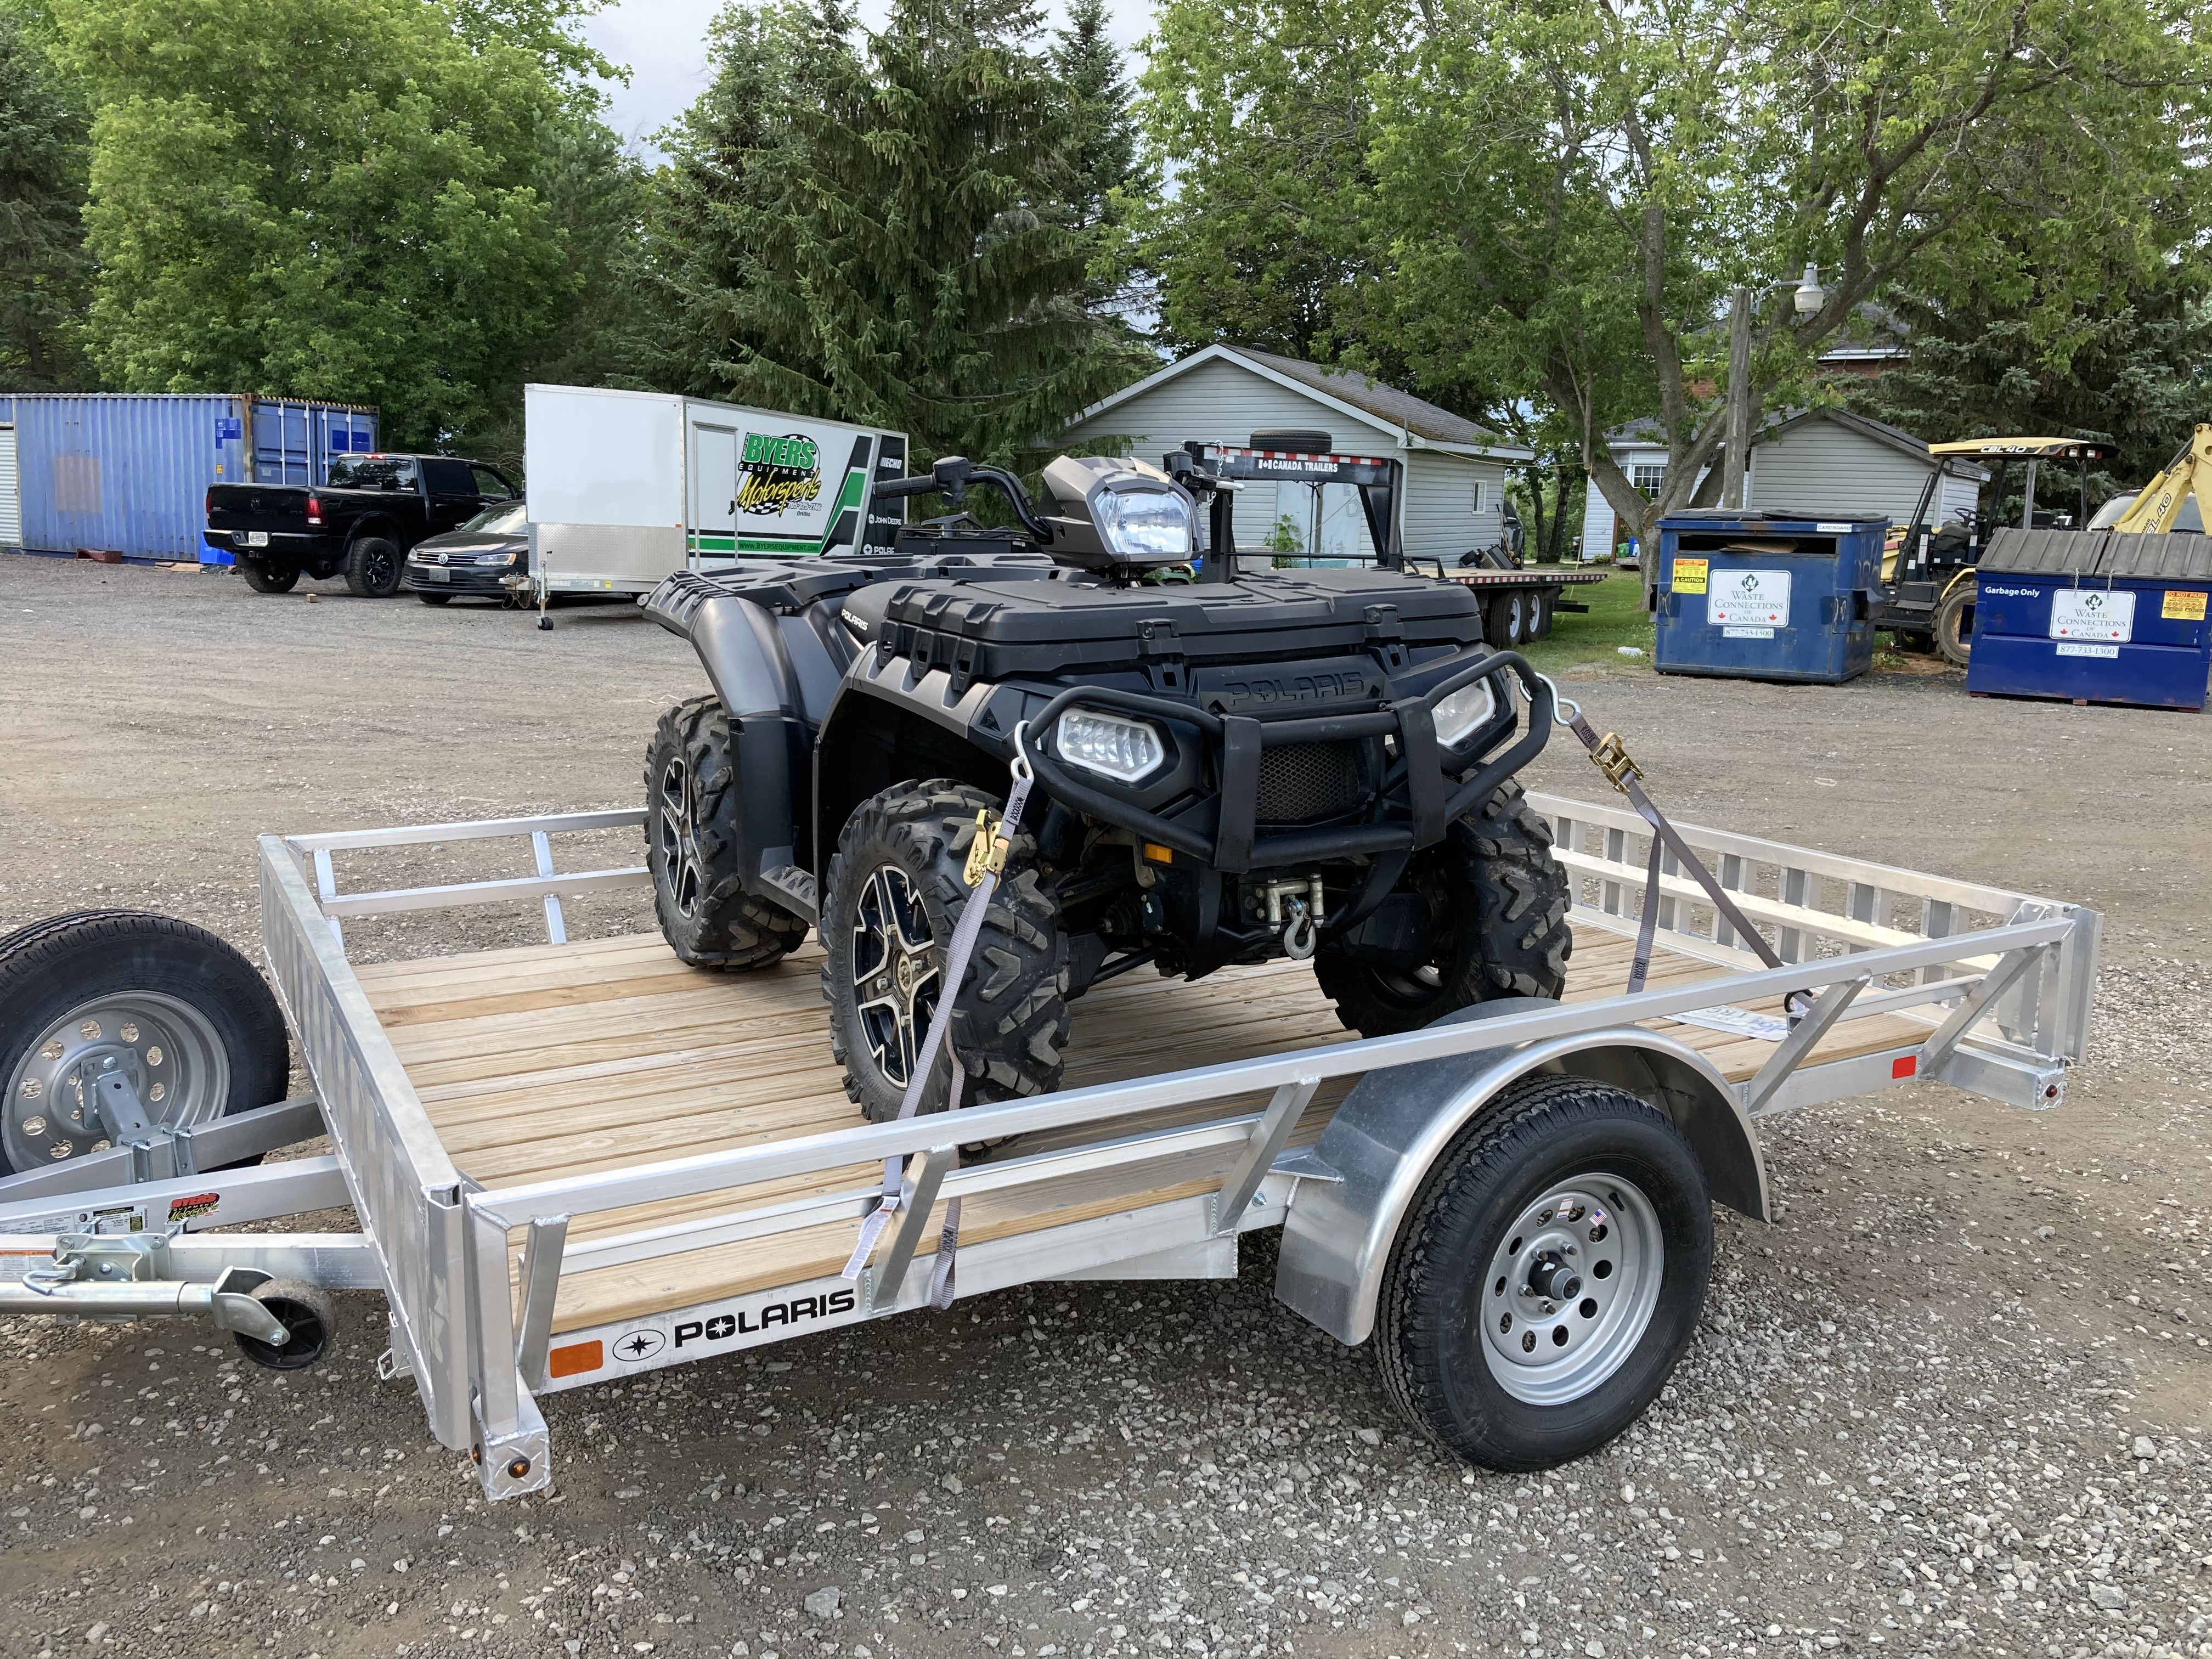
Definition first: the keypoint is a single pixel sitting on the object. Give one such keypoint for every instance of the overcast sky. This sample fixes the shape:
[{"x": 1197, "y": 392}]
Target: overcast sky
[{"x": 663, "y": 43}]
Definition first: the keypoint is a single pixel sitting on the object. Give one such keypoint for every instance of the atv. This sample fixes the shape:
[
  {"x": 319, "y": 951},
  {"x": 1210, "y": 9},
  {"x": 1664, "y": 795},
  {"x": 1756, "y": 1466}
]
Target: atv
[{"x": 1313, "y": 763}]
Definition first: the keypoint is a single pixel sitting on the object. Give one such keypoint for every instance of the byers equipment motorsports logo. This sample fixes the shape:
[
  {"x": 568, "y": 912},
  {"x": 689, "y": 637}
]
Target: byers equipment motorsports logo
[{"x": 776, "y": 473}]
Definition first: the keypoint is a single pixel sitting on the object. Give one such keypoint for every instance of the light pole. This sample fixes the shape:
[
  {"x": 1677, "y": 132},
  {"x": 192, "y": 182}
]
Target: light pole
[{"x": 1736, "y": 462}]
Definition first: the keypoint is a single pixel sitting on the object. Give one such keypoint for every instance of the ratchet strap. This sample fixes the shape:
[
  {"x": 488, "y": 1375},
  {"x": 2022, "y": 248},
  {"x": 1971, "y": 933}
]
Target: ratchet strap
[
  {"x": 987, "y": 863},
  {"x": 1611, "y": 757}
]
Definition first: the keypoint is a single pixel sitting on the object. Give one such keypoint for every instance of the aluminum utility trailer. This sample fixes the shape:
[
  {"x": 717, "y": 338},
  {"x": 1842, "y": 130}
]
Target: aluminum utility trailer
[{"x": 577, "y": 1161}]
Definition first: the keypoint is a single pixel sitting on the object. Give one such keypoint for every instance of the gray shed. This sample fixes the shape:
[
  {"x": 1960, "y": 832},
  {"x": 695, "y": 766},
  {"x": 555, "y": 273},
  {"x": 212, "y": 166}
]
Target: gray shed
[{"x": 1455, "y": 470}]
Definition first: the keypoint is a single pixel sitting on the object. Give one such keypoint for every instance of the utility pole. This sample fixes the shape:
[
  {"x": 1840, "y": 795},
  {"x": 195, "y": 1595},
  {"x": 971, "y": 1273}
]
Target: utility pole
[{"x": 1739, "y": 401}]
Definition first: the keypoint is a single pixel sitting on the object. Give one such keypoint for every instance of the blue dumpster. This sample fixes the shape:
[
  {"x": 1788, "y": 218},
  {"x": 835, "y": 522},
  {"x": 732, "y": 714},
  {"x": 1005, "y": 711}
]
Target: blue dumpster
[
  {"x": 1767, "y": 596},
  {"x": 2094, "y": 617}
]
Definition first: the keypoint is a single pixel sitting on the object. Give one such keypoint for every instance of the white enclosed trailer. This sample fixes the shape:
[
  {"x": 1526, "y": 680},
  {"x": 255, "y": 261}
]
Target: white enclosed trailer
[{"x": 625, "y": 488}]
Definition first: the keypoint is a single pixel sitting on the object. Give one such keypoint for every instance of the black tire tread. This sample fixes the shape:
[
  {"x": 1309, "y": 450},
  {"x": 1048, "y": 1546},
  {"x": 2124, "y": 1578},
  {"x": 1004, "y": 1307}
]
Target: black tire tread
[
  {"x": 263, "y": 578},
  {"x": 1010, "y": 1025},
  {"x": 1487, "y": 1151},
  {"x": 731, "y": 928},
  {"x": 357, "y": 559}
]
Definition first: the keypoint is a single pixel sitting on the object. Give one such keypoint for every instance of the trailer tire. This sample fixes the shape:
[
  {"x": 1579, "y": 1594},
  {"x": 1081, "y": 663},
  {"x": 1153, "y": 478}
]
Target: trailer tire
[
  {"x": 307, "y": 1311},
  {"x": 1498, "y": 902},
  {"x": 265, "y": 578},
  {"x": 695, "y": 851},
  {"x": 900, "y": 868},
  {"x": 1955, "y": 625},
  {"x": 372, "y": 569},
  {"x": 185, "y": 1013},
  {"x": 1468, "y": 1352}
]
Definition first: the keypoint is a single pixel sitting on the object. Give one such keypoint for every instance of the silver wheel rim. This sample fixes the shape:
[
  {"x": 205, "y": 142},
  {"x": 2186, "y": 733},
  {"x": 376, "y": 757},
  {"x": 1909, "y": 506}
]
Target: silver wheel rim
[
  {"x": 679, "y": 845},
  {"x": 167, "y": 1050},
  {"x": 895, "y": 978},
  {"x": 1571, "y": 1288}
]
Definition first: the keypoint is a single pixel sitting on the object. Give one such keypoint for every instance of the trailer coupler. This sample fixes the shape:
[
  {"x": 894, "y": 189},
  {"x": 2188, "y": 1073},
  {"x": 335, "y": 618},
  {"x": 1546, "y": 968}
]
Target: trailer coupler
[{"x": 119, "y": 1276}]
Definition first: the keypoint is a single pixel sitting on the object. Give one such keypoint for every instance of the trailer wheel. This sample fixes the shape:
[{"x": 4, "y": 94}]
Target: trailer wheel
[
  {"x": 1505, "y": 623},
  {"x": 694, "y": 853},
  {"x": 1548, "y": 1277},
  {"x": 1498, "y": 901},
  {"x": 372, "y": 569},
  {"x": 1955, "y": 625},
  {"x": 896, "y": 892},
  {"x": 185, "y": 1019},
  {"x": 306, "y": 1311},
  {"x": 264, "y": 577}
]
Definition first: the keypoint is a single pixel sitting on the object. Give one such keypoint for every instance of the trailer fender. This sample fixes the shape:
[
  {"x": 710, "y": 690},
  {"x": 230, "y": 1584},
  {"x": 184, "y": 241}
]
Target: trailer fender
[{"x": 1397, "y": 1123}]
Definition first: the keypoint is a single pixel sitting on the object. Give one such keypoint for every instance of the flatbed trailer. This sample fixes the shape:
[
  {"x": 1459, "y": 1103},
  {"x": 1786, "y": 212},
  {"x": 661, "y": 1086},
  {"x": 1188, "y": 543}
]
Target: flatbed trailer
[{"x": 576, "y": 1161}]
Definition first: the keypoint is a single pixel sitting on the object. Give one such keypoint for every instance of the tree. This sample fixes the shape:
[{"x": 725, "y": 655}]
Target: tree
[
  {"x": 1108, "y": 183},
  {"x": 335, "y": 198},
  {"x": 1556, "y": 199},
  {"x": 889, "y": 235},
  {"x": 44, "y": 272}
]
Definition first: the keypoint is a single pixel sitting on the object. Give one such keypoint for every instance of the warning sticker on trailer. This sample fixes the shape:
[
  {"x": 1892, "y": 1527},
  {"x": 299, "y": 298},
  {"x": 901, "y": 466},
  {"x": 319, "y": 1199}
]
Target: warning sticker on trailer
[
  {"x": 2182, "y": 604},
  {"x": 2092, "y": 613},
  {"x": 1748, "y": 598},
  {"x": 1689, "y": 576}
]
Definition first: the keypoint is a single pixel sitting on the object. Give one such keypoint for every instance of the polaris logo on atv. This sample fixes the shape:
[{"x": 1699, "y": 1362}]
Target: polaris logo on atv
[
  {"x": 778, "y": 472},
  {"x": 1253, "y": 691}
]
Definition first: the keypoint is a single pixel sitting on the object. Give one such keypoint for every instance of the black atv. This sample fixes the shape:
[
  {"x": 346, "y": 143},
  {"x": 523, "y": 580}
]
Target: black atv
[{"x": 1312, "y": 763}]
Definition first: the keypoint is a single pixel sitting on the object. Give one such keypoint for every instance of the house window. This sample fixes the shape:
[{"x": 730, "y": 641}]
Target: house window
[
  {"x": 1647, "y": 476},
  {"x": 1482, "y": 501}
]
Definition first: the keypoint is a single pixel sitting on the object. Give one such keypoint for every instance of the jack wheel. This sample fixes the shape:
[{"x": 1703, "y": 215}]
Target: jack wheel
[{"x": 306, "y": 1312}]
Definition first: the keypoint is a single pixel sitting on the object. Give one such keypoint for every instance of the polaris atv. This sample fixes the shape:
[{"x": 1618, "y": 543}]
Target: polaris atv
[{"x": 1314, "y": 763}]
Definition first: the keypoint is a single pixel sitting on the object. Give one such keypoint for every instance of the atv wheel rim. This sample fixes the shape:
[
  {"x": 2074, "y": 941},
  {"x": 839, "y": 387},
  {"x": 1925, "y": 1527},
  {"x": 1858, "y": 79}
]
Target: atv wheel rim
[
  {"x": 679, "y": 843},
  {"x": 167, "y": 1050},
  {"x": 1571, "y": 1288},
  {"x": 894, "y": 976}
]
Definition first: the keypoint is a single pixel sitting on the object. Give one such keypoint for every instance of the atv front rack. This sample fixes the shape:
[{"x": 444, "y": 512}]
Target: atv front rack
[{"x": 1235, "y": 846}]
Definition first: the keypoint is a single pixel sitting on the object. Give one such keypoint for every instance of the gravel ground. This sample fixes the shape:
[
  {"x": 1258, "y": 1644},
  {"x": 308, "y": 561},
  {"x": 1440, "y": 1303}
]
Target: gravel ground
[{"x": 1954, "y": 1400}]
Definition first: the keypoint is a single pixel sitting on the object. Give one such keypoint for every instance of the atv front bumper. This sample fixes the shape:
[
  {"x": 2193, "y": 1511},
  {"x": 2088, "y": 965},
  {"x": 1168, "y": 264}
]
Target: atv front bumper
[{"x": 1425, "y": 787}]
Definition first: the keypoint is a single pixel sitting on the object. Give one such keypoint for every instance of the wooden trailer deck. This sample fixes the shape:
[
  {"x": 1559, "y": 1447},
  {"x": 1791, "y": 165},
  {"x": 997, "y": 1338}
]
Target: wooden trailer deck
[{"x": 563, "y": 1060}]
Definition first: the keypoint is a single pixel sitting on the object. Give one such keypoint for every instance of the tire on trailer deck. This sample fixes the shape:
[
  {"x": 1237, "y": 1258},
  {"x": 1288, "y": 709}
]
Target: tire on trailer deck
[
  {"x": 372, "y": 568},
  {"x": 188, "y": 1019},
  {"x": 1495, "y": 1341},
  {"x": 895, "y": 893},
  {"x": 1495, "y": 871},
  {"x": 695, "y": 852}
]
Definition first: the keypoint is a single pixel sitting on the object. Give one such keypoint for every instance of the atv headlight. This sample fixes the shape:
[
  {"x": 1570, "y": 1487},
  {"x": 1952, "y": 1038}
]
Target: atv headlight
[
  {"x": 1458, "y": 716},
  {"x": 1123, "y": 749},
  {"x": 1144, "y": 522}
]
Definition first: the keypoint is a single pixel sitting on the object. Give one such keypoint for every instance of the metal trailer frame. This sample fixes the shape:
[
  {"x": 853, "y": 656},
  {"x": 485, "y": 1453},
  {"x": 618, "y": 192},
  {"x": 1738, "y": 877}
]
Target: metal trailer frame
[{"x": 1998, "y": 986}]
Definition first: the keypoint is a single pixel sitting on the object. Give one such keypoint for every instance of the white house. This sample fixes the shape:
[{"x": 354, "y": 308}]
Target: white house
[
  {"x": 1455, "y": 471},
  {"x": 1822, "y": 463}
]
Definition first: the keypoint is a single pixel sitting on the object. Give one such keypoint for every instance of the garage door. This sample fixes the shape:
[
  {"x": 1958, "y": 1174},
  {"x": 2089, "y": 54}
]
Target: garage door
[{"x": 11, "y": 496}]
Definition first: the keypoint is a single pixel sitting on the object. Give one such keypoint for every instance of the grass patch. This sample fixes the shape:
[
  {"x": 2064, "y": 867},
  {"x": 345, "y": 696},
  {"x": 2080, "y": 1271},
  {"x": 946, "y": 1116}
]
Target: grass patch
[{"x": 1616, "y": 617}]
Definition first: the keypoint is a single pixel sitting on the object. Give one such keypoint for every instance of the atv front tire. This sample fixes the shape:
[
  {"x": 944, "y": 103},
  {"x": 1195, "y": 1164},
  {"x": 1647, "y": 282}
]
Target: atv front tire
[
  {"x": 694, "y": 851},
  {"x": 1497, "y": 911},
  {"x": 896, "y": 892}
]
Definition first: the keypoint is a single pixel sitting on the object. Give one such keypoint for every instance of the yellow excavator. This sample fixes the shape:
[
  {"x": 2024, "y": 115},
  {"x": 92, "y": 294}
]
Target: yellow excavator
[{"x": 1928, "y": 578}]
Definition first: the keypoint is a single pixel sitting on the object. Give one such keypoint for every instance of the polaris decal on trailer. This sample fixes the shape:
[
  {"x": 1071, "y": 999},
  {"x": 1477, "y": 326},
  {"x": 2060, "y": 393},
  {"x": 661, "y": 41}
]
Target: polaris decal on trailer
[{"x": 593, "y": 1355}]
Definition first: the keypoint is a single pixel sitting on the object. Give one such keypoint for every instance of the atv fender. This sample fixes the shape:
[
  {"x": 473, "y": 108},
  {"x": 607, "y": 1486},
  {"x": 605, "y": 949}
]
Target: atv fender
[
  {"x": 1397, "y": 1123},
  {"x": 748, "y": 660}
]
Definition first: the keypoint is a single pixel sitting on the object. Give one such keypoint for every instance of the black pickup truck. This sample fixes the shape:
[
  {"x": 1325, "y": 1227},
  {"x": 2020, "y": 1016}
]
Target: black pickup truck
[{"x": 359, "y": 524}]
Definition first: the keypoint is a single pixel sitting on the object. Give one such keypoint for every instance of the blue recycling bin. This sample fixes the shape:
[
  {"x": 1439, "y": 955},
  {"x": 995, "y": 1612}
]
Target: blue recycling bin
[
  {"x": 1767, "y": 596},
  {"x": 2094, "y": 617}
]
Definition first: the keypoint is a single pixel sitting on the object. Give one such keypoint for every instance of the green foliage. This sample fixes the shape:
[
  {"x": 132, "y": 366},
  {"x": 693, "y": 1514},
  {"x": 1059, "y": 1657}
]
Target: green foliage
[
  {"x": 44, "y": 272},
  {"x": 891, "y": 234},
  {"x": 354, "y": 199}
]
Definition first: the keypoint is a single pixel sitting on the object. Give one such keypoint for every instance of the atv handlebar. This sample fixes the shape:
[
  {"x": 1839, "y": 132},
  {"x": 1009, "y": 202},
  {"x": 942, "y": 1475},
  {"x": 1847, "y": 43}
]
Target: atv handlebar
[
  {"x": 950, "y": 476},
  {"x": 1233, "y": 847}
]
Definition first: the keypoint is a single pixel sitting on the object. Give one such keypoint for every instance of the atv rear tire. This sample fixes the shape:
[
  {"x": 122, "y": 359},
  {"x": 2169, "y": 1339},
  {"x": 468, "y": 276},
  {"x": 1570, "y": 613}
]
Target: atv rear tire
[
  {"x": 1498, "y": 909},
  {"x": 264, "y": 577},
  {"x": 372, "y": 569},
  {"x": 694, "y": 851},
  {"x": 896, "y": 890}
]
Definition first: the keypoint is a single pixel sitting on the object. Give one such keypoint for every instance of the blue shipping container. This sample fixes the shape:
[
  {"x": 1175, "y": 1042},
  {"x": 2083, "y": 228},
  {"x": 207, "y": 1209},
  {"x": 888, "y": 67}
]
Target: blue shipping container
[
  {"x": 128, "y": 473},
  {"x": 2094, "y": 617},
  {"x": 1767, "y": 596}
]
